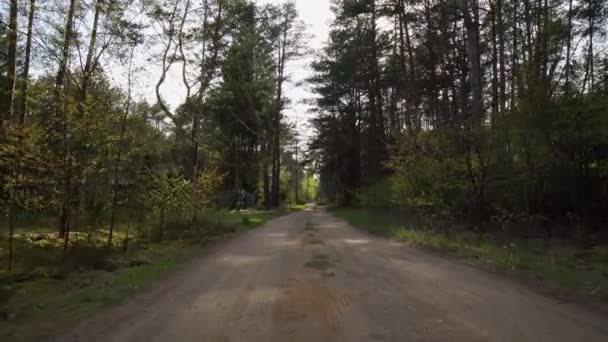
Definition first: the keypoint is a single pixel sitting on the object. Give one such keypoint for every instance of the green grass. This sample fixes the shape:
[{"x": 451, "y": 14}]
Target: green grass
[
  {"x": 40, "y": 302},
  {"x": 580, "y": 271},
  {"x": 44, "y": 307}
]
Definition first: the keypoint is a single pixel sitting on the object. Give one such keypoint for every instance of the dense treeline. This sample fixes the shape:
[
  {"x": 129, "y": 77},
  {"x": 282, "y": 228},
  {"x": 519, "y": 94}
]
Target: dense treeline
[
  {"x": 479, "y": 109},
  {"x": 81, "y": 148}
]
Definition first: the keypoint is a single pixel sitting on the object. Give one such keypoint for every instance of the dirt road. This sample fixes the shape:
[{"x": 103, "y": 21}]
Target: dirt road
[{"x": 310, "y": 277}]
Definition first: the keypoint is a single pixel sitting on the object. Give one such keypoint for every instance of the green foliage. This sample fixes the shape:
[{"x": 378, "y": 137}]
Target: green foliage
[{"x": 406, "y": 119}]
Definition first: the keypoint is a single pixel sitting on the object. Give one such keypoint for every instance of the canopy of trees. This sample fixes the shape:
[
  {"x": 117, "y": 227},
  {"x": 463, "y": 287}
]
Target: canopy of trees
[
  {"x": 79, "y": 146},
  {"x": 476, "y": 108}
]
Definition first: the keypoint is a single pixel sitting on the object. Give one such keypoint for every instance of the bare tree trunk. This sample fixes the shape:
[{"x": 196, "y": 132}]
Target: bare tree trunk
[
  {"x": 527, "y": 51},
  {"x": 167, "y": 62},
  {"x": 26, "y": 64},
  {"x": 590, "y": 62},
  {"x": 501, "y": 54},
  {"x": 89, "y": 66},
  {"x": 495, "y": 95},
  {"x": 12, "y": 60},
  {"x": 61, "y": 114},
  {"x": 188, "y": 104},
  {"x": 276, "y": 172},
  {"x": 266, "y": 176},
  {"x": 545, "y": 50},
  {"x": 123, "y": 127},
  {"x": 514, "y": 57},
  {"x": 472, "y": 27},
  {"x": 376, "y": 136},
  {"x": 402, "y": 62},
  {"x": 568, "y": 48},
  {"x": 296, "y": 186},
  {"x": 412, "y": 76}
]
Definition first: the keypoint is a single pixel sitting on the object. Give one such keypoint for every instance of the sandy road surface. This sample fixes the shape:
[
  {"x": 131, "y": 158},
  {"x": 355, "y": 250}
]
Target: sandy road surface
[{"x": 325, "y": 281}]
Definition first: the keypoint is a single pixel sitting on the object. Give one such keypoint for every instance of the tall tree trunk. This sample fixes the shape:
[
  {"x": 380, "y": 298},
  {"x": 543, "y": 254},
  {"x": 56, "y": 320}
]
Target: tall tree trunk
[
  {"x": 266, "y": 176},
  {"x": 568, "y": 48},
  {"x": 514, "y": 57},
  {"x": 123, "y": 128},
  {"x": 405, "y": 92},
  {"x": 89, "y": 66},
  {"x": 61, "y": 115},
  {"x": 12, "y": 60},
  {"x": 590, "y": 72},
  {"x": 495, "y": 95},
  {"x": 26, "y": 64},
  {"x": 193, "y": 176},
  {"x": 527, "y": 50},
  {"x": 375, "y": 99},
  {"x": 205, "y": 77},
  {"x": 276, "y": 172},
  {"x": 474, "y": 52},
  {"x": 501, "y": 55},
  {"x": 296, "y": 185},
  {"x": 545, "y": 50},
  {"x": 414, "y": 100}
]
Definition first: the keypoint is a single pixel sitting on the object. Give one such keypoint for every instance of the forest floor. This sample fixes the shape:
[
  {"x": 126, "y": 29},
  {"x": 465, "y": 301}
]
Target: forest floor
[
  {"x": 310, "y": 276},
  {"x": 47, "y": 293}
]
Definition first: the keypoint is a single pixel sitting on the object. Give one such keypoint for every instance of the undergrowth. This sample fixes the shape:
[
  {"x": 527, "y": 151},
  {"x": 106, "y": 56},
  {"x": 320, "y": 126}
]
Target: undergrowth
[{"x": 46, "y": 282}]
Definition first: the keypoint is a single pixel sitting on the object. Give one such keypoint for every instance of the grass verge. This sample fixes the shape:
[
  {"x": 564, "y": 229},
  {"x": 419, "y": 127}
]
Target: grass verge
[
  {"x": 39, "y": 302},
  {"x": 583, "y": 271}
]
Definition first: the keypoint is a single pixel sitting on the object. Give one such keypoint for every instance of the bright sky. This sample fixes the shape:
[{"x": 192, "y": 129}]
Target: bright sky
[{"x": 317, "y": 15}]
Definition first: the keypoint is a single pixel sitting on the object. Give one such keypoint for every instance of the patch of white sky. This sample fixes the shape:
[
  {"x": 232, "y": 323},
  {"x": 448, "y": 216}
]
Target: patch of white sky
[{"x": 317, "y": 16}]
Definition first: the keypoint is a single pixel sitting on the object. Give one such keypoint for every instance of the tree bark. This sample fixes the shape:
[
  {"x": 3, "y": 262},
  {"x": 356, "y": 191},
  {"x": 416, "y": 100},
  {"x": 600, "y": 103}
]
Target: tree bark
[
  {"x": 61, "y": 115},
  {"x": 123, "y": 127},
  {"x": 589, "y": 73},
  {"x": 495, "y": 95},
  {"x": 568, "y": 48},
  {"x": 296, "y": 185},
  {"x": 474, "y": 52},
  {"x": 514, "y": 57},
  {"x": 167, "y": 62},
  {"x": 266, "y": 176},
  {"x": 26, "y": 64},
  {"x": 276, "y": 146},
  {"x": 501, "y": 55},
  {"x": 89, "y": 66},
  {"x": 12, "y": 60}
]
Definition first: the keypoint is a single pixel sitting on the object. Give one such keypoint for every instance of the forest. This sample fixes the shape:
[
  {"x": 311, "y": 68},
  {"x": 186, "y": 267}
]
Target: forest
[
  {"x": 488, "y": 113},
  {"x": 83, "y": 152},
  {"x": 136, "y": 134}
]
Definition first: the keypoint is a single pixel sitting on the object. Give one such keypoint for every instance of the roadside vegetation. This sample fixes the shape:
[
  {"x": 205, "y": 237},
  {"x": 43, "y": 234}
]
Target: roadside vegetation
[
  {"x": 577, "y": 270},
  {"x": 46, "y": 283}
]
